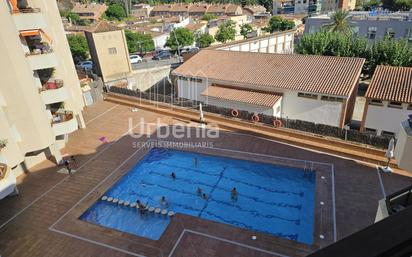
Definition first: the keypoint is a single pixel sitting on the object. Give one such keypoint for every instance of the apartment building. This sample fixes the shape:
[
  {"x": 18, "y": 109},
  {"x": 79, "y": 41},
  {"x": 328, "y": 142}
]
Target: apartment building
[
  {"x": 40, "y": 97},
  {"x": 306, "y": 7},
  {"x": 372, "y": 25},
  {"x": 301, "y": 87},
  {"x": 199, "y": 9},
  {"x": 388, "y": 100}
]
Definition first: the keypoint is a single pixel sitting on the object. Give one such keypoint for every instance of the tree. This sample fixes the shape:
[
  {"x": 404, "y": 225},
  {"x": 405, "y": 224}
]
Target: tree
[
  {"x": 78, "y": 46},
  {"x": 371, "y": 4},
  {"x": 208, "y": 17},
  {"x": 245, "y": 30},
  {"x": 73, "y": 17},
  {"x": 204, "y": 40},
  {"x": 139, "y": 42},
  {"x": 226, "y": 32},
  {"x": 389, "y": 52},
  {"x": 277, "y": 23},
  {"x": 116, "y": 11},
  {"x": 382, "y": 52},
  {"x": 403, "y": 5},
  {"x": 179, "y": 38},
  {"x": 340, "y": 23}
]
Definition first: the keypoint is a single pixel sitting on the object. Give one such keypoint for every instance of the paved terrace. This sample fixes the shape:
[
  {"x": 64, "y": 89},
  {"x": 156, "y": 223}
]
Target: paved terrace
[{"x": 45, "y": 195}]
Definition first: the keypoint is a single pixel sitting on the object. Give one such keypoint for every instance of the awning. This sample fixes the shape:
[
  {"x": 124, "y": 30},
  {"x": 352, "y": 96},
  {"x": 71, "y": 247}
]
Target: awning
[
  {"x": 244, "y": 96},
  {"x": 36, "y": 32}
]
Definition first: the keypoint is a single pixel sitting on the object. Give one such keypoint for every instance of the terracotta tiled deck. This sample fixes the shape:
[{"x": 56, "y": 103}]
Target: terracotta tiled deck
[{"x": 46, "y": 196}]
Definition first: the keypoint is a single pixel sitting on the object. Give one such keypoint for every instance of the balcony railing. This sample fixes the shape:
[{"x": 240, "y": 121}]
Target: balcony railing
[
  {"x": 62, "y": 116},
  {"x": 41, "y": 48},
  {"x": 54, "y": 84},
  {"x": 21, "y": 9}
]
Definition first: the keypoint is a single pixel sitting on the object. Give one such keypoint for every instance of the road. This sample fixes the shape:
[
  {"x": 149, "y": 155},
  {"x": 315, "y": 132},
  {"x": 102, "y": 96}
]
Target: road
[{"x": 149, "y": 63}]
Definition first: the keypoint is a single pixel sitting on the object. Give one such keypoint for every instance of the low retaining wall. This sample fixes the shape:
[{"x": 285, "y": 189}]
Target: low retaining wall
[{"x": 306, "y": 126}]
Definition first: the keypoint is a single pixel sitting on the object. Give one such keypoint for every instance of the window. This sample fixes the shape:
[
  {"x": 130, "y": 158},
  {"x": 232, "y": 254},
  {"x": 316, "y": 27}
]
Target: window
[
  {"x": 306, "y": 95},
  {"x": 387, "y": 133},
  {"x": 370, "y": 131},
  {"x": 390, "y": 32},
  {"x": 410, "y": 107},
  {"x": 355, "y": 30},
  {"x": 183, "y": 78},
  {"x": 372, "y": 32},
  {"x": 331, "y": 98},
  {"x": 395, "y": 105},
  {"x": 408, "y": 34},
  {"x": 196, "y": 80},
  {"x": 376, "y": 102},
  {"x": 112, "y": 50}
]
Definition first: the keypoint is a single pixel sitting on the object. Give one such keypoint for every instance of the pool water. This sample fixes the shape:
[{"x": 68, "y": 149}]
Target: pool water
[{"x": 271, "y": 199}]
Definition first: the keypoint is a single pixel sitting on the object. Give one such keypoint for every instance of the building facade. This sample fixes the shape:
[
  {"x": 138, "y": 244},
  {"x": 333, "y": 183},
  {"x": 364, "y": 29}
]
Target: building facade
[
  {"x": 40, "y": 97},
  {"x": 372, "y": 25},
  {"x": 306, "y": 7},
  {"x": 309, "y": 88},
  {"x": 278, "y": 42},
  {"x": 109, "y": 52},
  {"x": 388, "y": 100}
]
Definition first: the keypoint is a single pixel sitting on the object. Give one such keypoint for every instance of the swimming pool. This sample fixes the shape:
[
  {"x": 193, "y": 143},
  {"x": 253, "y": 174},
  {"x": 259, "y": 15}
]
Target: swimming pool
[{"x": 276, "y": 200}]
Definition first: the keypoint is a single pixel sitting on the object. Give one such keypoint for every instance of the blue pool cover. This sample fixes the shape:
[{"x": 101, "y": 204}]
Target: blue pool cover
[{"x": 271, "y": 199}]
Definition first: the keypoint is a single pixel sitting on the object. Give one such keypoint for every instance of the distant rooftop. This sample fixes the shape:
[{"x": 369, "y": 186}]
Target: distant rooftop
[
  {"x": 103, "y": 26},
  {"x": 372, "y": 15},
  {"x": 391, "y": 84}
]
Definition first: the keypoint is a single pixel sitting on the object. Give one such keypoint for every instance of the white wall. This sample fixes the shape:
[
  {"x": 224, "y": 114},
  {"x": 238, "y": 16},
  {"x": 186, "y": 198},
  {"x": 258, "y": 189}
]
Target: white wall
[
  {"x": 190, "y": 89},
  {"x": 160, "y": 41},
  {"x": 385, "y": 118},
  {"x": 239, "y": 106},
  {"x": 318, "y": 111}
]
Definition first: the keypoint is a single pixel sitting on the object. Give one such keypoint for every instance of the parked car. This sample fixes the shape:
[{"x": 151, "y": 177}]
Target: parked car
[
  {"x": 86, "y": 65},
  {"x": 162, "y": 55},
  {"x": 186, "y": 50},
  {"x": 134, "y": 58}
]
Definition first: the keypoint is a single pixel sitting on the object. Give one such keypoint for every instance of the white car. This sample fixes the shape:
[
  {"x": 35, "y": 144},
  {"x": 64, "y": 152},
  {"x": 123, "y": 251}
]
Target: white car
[{"x": 135, "y": 59}]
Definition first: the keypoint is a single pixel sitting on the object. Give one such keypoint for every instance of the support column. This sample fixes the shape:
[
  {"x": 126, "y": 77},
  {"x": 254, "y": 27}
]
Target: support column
[
  {"x": 80, "y": 120},
  {"x": 54, "y": 150}
]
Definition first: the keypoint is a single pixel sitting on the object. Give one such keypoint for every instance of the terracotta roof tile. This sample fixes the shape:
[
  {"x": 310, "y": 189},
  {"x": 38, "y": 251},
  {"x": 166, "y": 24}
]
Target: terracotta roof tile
[
  {"x": 315, "y": 74},
  {"x": 391, "y": 84},
  {"x": 243, "y": 96}
]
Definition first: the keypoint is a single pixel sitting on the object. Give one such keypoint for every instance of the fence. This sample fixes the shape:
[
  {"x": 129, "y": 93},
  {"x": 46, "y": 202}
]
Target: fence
[{"x": 306, "y": 126}]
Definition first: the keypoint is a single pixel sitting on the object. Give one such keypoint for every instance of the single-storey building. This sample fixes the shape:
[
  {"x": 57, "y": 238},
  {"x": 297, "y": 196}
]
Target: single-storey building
[
  {"x": 388, "y": 100},
  {"x": 320, "y": 89}
]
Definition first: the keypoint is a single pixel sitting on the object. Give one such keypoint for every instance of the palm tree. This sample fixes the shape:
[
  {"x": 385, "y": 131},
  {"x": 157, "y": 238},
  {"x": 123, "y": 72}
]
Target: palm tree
[{"x": 340, "y": 22}]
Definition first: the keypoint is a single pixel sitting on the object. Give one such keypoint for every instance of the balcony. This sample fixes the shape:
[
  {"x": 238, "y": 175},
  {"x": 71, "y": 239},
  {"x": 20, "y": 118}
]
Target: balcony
[
  {"x": 7, "y": 179},
  {"x": 32, "y": 20},
  {"x": 63, "y": 122},
  {"x": 43, "y": 60},
  {"x": 54, "y": 92}
]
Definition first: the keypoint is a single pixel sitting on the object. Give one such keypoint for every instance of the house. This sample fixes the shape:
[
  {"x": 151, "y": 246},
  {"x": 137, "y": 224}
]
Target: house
[
  {"x": 307, "y": 7},
  {"x": 141, "y": 10},
  {"x": 200, "y": 27},
  {"x": 161, "y": 10},
  {"x": 198, "y": 9},
  {"x": 179, "y": 10},
  {"x": 109, "y": 52},
  {"x": 91, "y": 12},
  {"x": 239, "y": 20},
  {"x": 278, "y": 42},
  {"x": 372, "y": 25},
  {"x": 320, "y": 89},
  {"x": 253, "y": 10},
  {"x": 225, "y": 9},
  {"x": 388, "y": 100}
]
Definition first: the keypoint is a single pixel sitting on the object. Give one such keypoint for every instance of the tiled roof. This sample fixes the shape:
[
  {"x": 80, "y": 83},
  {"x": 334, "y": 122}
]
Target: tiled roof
[
  {"x": 89, "y": 8},
  {"x": 195, "y": 26},
  {"x": 198, "y": 8},
  {"x": 103, "y": 26},
  {"x": 391, "y": 84},
  {"x": 243, "y": 96},
  {"x": 162, "y": 8},
  {"x": 180, "y": 8},
  {"x": 308, "y": 73}
]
